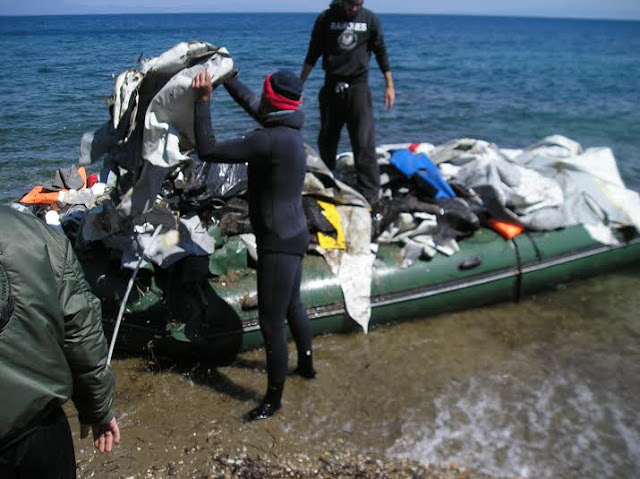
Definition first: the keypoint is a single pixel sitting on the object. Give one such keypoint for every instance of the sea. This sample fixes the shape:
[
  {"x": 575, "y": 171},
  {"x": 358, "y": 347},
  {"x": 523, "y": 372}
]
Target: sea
[{"x": 561, "y": 396}]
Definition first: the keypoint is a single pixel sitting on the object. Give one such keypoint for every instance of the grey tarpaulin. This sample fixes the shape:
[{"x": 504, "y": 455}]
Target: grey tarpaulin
[
  {"x": 526, "y": 192},
  {"x": 551, "y": 184},
  {"x": 354, "y": 266},
  {"x": 168, "y": 125},
  {"x": 149, "y": 136},
  {"x": 594, "y": 191},
  {"x": 161, "y": 90}
]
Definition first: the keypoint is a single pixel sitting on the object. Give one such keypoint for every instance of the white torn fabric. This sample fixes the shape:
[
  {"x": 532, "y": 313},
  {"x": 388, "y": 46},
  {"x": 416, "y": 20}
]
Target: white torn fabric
[
  {"x": 177, "y": 57},
  {"x": 417, "y": 248},
  {"x": 354, "y": 272},
  {"x": 141, "y": 197},
  {"x": 168, "y": 125},
  {"x": 353, "y": 266},
  {"x": 522, "y": 190},
  {"x": 533, "y": 192},
  {"x": 554, "y": 146},
  {"x": 356, "y": 265},
  {"x": 461, "y": 151},
  {"x": 94, "y": 145},
  {"x": 159, "y": 90},
  {"x": 591, "y": 181},
  {"x": 192, "y": 237},
  {"x": 169, "y": 117},
  {"x": 126, "y": 91},
  {"x": 551, "y": 184},
  {"x": 602, "y": 234}
]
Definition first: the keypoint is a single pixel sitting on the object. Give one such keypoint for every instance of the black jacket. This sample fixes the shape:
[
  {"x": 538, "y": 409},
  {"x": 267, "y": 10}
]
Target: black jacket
[
  {"x": 346, "y": 46},
  {"x": 277, "y": 167}
]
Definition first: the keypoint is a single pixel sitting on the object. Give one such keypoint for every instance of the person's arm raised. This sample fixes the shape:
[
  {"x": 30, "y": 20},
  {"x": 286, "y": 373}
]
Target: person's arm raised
[{"x": 201, "y": 85}]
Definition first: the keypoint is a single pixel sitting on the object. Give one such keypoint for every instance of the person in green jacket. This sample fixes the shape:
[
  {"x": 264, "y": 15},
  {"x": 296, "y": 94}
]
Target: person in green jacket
[{"x": 52, "y": 348}]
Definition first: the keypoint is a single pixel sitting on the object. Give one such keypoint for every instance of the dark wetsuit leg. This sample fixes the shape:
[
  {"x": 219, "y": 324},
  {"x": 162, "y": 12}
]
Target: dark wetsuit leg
[
  {"x": 298, "y": 319},
  {"x": 279, "y": 297}
]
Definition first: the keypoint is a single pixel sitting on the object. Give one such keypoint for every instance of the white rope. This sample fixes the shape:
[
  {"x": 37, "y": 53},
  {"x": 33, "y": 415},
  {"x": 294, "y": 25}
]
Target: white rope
[{"x": 128, "y": 291}]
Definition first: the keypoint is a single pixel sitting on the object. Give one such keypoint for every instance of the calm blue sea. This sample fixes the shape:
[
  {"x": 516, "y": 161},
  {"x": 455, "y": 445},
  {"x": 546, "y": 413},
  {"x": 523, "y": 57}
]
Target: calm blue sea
[{"x": 510, "y": 81}]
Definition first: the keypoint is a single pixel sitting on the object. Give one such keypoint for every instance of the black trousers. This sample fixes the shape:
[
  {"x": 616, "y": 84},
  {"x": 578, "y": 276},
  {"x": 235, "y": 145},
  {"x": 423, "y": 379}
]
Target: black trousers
[
  {"x": 279, "y": 276},
  {"x": 355, "y": 108},
  {"x": 46, "y": 452}
]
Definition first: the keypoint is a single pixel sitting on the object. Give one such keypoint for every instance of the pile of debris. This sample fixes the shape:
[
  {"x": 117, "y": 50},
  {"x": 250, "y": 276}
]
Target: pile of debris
[{"x": 432, "y": 196}]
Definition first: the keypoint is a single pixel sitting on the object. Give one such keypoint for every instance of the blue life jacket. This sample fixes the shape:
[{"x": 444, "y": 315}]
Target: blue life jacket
[{"x": 420, "y": 167}]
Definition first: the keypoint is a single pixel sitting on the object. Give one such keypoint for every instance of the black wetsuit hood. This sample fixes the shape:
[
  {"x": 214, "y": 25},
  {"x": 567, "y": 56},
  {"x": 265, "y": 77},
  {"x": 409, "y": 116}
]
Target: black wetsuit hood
[{"x": 292, "y": 119}]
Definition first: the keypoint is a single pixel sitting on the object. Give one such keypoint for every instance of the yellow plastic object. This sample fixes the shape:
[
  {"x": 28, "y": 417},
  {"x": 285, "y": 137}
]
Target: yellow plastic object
[{"x": 328, "y": 242}]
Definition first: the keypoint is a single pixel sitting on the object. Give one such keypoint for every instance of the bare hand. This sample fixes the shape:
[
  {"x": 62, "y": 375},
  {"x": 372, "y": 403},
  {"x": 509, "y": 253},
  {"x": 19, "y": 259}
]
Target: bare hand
[
  {"x": 104, "y": 435},
  {"x": 201, "y": 85},
  {"x": 389, "y": 98}
]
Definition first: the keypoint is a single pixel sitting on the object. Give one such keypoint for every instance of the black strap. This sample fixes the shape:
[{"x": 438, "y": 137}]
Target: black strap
[{"x": 6, "y": 300}]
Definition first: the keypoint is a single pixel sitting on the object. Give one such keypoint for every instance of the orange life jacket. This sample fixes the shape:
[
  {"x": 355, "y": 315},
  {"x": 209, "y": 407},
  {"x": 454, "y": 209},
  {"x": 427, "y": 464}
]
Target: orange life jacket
[
  {"x": 507, "y": 230},
  {"x": 40, "y": 196}
]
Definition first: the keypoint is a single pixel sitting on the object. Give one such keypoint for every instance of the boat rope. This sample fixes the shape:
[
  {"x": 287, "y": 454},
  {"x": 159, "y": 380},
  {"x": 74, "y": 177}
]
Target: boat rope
[
  {"x": 535, "y": 246},
  {"x": 123, "y": 305},
  {"x": 518, "y": 282}
]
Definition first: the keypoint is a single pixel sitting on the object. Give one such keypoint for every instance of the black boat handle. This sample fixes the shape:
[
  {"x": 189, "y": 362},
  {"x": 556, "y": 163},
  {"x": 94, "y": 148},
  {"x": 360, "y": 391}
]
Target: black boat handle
[{"x": 469, "y": 263}]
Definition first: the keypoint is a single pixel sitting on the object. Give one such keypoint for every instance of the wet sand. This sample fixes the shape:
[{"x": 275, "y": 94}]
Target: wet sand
[
  {"x": 547, "y": 388},
  {"x": 186, "y": 420}
]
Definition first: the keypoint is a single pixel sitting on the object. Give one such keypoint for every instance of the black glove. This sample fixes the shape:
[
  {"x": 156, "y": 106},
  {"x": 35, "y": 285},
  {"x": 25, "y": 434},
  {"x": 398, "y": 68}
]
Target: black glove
[
  {"x": 232, "y": 75},
  {"x": 225, "y": 78}
]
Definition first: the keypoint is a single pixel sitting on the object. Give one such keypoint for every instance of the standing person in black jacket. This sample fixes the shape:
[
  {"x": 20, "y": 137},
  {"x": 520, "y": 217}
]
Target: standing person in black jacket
[
  {"x": 345, "y": 35},
  {"x": 277, "y": 167}
]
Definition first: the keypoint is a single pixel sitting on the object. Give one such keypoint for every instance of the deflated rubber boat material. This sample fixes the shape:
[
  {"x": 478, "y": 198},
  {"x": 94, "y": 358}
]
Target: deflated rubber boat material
[{"x": 168, "y": 119}]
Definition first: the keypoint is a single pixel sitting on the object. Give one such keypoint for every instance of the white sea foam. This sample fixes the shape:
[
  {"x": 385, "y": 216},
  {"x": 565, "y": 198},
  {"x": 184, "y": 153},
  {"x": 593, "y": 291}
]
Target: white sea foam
[{"x": 553, "y": 428}]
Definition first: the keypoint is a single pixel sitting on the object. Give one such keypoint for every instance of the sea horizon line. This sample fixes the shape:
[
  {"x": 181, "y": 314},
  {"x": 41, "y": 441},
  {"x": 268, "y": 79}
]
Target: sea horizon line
[{"x": 412, "y": 14}]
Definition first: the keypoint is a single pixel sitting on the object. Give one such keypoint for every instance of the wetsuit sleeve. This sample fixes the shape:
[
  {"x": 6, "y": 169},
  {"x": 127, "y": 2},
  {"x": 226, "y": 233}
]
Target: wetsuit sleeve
[
  {"x": 316, "y": 44},
  {"x": 244, "y": 97},
  {"x": 378, "y": 47},
  {"x": 251, "y": 147},
  {"x": 85, "y": 345}
]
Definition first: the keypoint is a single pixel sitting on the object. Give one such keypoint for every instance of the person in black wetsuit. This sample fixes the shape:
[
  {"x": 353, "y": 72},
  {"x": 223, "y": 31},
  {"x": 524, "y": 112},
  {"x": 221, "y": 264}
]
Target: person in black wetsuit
[
  {"x": 277, "y": 167},
  {"x": 345, "y": 35}
]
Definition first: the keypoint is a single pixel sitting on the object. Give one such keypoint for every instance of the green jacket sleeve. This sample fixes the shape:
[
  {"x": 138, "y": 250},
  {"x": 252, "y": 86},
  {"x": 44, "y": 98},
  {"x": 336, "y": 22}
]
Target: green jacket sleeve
[{"x": 85, "y": 345}]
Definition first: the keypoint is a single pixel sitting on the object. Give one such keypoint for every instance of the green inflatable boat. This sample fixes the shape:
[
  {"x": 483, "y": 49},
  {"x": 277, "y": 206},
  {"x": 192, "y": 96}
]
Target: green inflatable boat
[{"x": 184, "y": 312}]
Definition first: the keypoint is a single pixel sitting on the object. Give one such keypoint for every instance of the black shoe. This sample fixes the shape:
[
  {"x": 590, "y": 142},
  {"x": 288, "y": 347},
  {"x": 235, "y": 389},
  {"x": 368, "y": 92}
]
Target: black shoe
[
  {"x": 264, "y": 411},
  {"x": 305, "y": 365},
  {"x": 305, "y": 372}
]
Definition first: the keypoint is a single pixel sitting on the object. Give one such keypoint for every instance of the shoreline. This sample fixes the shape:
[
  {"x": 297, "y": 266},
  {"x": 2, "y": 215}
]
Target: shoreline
[{"x": 186, "y": 421}]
